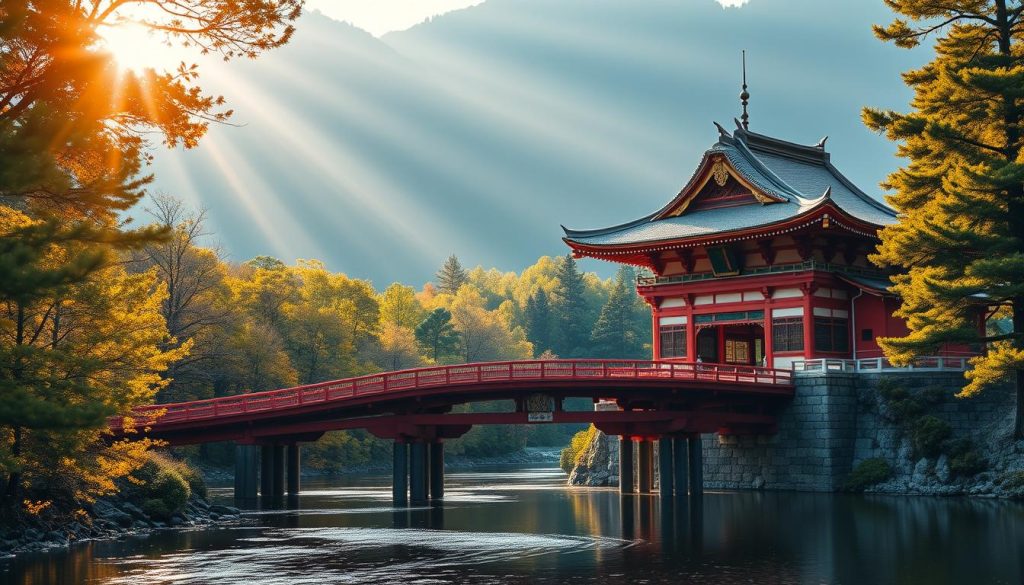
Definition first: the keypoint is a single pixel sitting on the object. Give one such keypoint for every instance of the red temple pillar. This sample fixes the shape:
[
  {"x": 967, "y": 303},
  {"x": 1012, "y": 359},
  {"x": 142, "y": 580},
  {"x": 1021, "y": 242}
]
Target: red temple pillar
[
  {"x": 656, "y": 333},
  {"x": 720, "y": 332},
  {"x": 769, "y": 359},
  {"x": 809, "y": 320},
  {"x": 691, "y": 331}
]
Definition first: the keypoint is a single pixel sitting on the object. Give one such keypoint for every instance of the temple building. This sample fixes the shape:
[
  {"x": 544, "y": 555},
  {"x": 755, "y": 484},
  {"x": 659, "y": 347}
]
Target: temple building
[{"x": 761, "y": 259}]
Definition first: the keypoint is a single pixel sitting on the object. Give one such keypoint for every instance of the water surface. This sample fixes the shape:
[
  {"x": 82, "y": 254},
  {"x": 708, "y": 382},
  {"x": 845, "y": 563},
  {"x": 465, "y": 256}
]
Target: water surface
[{"x": 523, "y": 525}]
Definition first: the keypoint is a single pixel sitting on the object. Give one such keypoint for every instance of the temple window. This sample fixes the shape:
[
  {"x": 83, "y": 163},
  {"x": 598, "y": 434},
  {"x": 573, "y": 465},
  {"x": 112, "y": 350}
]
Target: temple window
[
  {"x": 673, "y": 341},
  {"x": 831, "y": 334},
  {"x": 788, "y": 334}
]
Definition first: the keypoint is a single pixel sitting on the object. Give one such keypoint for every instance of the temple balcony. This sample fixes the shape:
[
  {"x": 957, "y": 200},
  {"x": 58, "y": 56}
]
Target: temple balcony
[{"x": 810, "y": 265}]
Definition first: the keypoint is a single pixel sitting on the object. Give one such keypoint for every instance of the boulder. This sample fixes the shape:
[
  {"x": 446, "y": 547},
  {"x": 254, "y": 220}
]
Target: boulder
[
  {"x": 134, "y": 510},
  {"x": 942, "y": 468}
]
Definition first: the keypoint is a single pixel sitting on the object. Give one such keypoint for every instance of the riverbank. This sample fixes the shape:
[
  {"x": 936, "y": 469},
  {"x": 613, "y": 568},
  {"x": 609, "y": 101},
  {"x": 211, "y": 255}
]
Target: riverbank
[{"x": 108, "y": 518}]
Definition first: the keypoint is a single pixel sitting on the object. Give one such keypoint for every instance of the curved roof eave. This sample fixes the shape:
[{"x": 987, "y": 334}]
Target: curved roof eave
[{"x": 749, "y": 232}]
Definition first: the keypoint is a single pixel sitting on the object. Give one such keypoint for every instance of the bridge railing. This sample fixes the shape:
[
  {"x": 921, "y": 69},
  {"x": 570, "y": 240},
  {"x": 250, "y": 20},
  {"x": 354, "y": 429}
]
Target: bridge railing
[
  {"x": 883, "y": 365},
  {"x": 457, "y": 375}
]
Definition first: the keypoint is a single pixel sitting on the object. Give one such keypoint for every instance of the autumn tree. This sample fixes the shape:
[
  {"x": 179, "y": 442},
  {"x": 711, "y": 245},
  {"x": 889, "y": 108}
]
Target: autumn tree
[
  {"x": 960, "y": 237},
  {"x": 81, "y": 339},
  {"x": 451, "y": 276},
  {"x": 485, "y": 335},
  {"x": 399, "y": 306},
  {"x": 198, "y": 308},
  {"x": 398, "y": 349},
  {"x": 69, "y": 359}
]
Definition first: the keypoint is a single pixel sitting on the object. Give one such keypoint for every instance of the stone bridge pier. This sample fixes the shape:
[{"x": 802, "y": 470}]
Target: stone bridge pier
[
  {"x": 680, "y": 469},
  {"x": 266, "y": 471}
]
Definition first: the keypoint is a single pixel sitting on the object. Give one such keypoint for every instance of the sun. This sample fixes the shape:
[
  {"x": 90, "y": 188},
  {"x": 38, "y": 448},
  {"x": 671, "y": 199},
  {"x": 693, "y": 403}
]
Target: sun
[{"x": 137, "y": 48}]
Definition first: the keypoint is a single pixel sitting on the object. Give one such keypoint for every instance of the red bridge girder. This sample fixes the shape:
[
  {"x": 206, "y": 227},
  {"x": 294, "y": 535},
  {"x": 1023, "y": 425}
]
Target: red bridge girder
[{"x": 656, "y": 397}]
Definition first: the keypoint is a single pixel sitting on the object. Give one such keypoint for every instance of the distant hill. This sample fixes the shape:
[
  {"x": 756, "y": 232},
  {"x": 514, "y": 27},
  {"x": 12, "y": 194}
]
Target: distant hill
[{"x": 482, "y": 130}]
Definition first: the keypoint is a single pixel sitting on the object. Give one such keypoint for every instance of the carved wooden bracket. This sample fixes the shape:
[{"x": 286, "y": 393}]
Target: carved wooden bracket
[
  {"x": 767, "y": 251},
  {"x": 804, "y": 246},
  {"x": 657, "y": 264},
  {"x": 685, "y": 256}
]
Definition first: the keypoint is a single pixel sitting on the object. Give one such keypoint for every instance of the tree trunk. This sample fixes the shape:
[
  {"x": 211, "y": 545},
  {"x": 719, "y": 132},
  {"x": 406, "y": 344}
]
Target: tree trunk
[
  {"x": 14, "y": 480},
  {"x": 1018, "y": 422},
  {"x": 1018, "y": 328}
]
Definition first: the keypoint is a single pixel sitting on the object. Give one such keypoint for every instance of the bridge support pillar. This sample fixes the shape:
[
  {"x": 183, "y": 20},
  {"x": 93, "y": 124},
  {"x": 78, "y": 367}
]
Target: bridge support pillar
[
  {"x": 400, "y": 474},
  {"x": 666, "y": 474},
  {"x": 645, "y": 465},
  {"x": 418, "y": 473},
  {"x": 696, "y": 466},
  {"x": 293, "y": 469},
  {"x": 277, "y": 474},
  {"x": 680, "y": 456},
  {"x": 266, "y": 470},
  {"x": 247, "y": 472},
  {"x": 436, "y": 471},
  {"x": 626, "y": 465}
]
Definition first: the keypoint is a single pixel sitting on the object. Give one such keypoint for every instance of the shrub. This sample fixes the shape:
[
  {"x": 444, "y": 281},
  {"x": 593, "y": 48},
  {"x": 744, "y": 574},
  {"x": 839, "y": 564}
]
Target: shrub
[
  {"x": 162, "y": 488},
  {"x": 579, "y": 442},
  {"x": 868, "y": 473},
  {"x": 964, "y": 459},
  {"x": 928, "y": 435},
  {"x": 900, "y": 405},
  {"x": 1012, "y": 483}
]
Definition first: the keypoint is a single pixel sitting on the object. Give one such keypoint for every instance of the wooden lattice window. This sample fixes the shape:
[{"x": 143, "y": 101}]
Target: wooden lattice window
[
  {"x": 788, "y": 334},
  {"x": 673, "y": 341}
]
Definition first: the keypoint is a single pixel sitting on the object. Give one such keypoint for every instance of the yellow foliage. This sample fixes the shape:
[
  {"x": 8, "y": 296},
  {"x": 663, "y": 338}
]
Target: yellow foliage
[{"x": 994, "y": 367}]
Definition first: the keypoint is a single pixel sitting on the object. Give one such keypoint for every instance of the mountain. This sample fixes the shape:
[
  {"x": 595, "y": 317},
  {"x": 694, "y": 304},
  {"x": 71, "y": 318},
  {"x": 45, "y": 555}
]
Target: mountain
[{"x": 482, "y": 130}]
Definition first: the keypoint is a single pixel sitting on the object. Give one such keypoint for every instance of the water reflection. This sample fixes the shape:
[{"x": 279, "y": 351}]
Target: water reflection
[{"x": 525, "y": 526}]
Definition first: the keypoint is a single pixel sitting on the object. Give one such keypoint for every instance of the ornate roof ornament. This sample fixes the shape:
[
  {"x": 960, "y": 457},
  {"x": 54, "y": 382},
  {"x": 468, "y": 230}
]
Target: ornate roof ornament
[
  {"x": 722, "y": 132},
  {"x": 720, "y": 173},
  {"x": 745, "y": 95}
]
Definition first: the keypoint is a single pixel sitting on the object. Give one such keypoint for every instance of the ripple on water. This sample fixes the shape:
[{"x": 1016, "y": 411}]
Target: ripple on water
[{"x": 349, "y": 555}]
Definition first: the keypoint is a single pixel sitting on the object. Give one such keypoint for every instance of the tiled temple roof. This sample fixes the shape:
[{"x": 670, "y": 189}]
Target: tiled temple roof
[{"x": 801, "y": 177}]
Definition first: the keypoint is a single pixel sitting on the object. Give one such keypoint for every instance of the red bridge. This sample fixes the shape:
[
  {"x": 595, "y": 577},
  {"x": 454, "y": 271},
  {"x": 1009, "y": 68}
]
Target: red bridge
[{"x": 646, "y": 400}]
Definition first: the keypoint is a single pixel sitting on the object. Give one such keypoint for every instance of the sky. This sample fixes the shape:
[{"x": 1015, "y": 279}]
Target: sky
[
  {"x": 383, "y": 16},
  {"x": 484, "y": 129}
]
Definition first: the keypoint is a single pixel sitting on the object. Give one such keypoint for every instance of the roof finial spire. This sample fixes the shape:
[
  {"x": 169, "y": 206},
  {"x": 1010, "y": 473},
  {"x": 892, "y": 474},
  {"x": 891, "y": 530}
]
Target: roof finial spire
[{"x": 745, "y": 95}]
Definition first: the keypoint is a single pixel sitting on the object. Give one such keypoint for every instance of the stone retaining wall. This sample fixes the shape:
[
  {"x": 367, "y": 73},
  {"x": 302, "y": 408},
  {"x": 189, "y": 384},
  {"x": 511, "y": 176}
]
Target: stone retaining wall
[
  {"x": 835, "y": 421},
  {"x": 812, "y": 451}
]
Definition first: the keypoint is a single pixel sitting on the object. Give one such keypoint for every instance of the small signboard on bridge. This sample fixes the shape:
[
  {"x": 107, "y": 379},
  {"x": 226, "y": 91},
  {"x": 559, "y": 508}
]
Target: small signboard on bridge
[{"x": 540, "y": 417}]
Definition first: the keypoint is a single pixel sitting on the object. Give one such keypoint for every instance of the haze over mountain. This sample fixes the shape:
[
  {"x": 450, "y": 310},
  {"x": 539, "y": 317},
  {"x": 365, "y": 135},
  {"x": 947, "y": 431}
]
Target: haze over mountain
[{"x": 482, "y": 130}]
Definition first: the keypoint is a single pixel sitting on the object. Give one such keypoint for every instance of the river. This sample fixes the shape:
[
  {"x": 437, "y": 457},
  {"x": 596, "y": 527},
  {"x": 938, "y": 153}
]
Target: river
[{"x": 524, "y": 525}]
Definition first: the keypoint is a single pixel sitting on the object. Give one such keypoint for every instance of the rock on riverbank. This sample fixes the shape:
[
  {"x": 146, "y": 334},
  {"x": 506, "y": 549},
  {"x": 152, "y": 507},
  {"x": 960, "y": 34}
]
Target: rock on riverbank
[
  {"x": 108, "y": 518},
  {"x": 598, "y": 463}
]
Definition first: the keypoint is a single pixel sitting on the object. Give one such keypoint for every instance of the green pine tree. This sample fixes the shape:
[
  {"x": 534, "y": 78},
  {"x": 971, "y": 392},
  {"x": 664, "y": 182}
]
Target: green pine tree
[
  {"x": 538, "y": 317},
  {"x": 573, "y": 328},
  {"x": 960, "y": 238},
  {"x": 451, "y": 276},
  {"x": 436, "y": 334},
  {"x": 618, "y": 333}
]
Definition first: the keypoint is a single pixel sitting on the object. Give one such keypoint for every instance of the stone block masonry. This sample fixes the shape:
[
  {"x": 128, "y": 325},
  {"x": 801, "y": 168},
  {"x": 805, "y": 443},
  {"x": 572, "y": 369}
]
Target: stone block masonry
[
  {"x": 813, "y": 450},
  {"x": 836, "y": 420}
]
